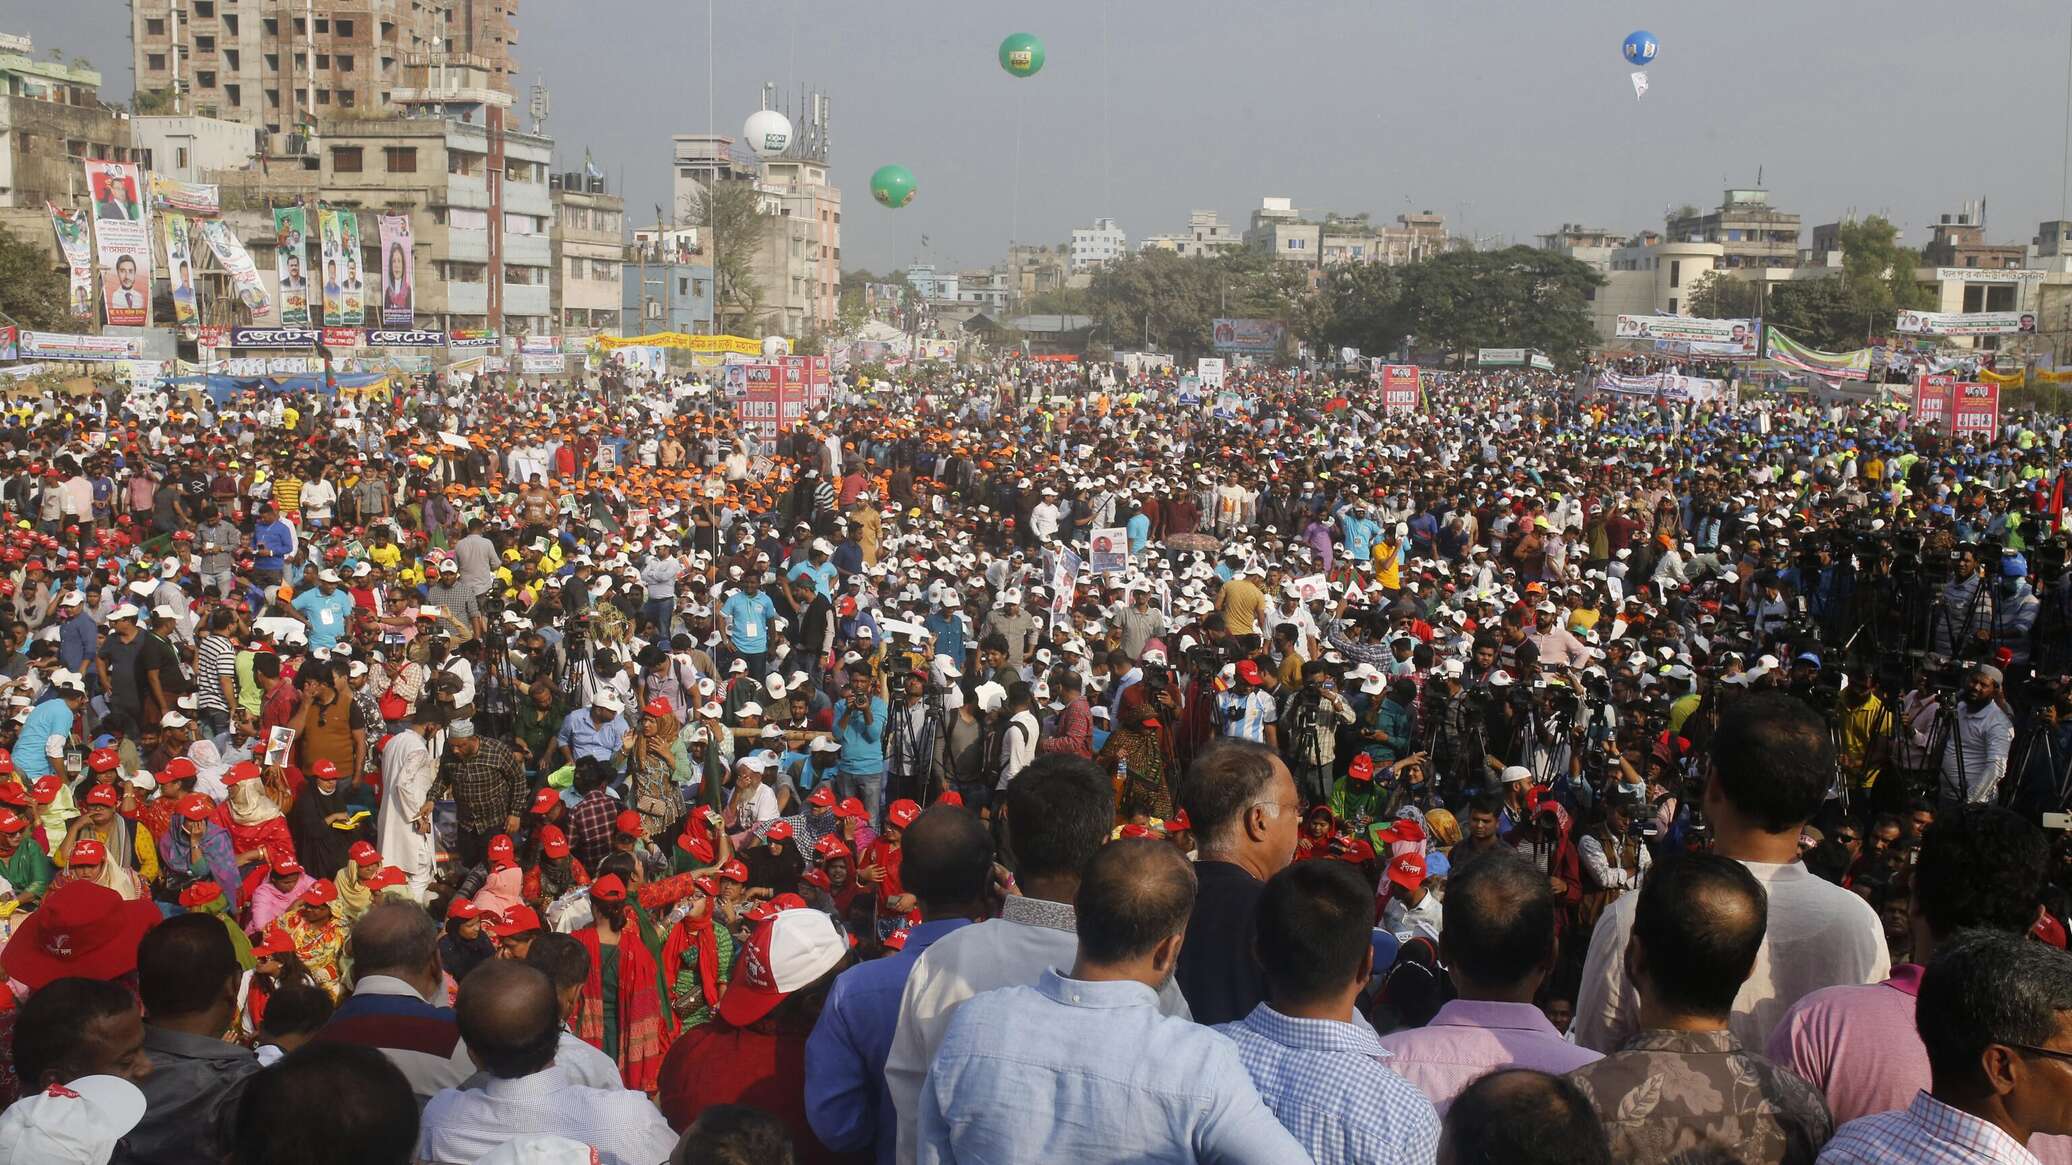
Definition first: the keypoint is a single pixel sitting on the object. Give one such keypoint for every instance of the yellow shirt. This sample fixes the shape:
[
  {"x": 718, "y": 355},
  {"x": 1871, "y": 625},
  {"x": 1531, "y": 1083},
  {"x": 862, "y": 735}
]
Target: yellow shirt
[
  {"x": 1388, "y": 566},
  {"x": 287, "y": 494},
  {"x": 290, "y": 417},
  {"x": 1860, "y": 725},
  {"x": 386, "y": 557},
  {"x": 1241, "y": 604}
]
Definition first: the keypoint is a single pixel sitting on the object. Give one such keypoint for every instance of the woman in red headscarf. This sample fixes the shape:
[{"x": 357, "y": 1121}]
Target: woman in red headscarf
[
  {"x": 1139, "y": 755},
  {"x": 622, "y": 1011}
]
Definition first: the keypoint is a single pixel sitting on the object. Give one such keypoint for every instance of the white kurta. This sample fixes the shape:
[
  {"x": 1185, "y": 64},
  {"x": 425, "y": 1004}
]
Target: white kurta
[{"x": 407, "y": 773}]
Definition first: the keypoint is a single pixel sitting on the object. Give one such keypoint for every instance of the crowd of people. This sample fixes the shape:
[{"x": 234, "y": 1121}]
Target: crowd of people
[{"x": 496, "y": 772}]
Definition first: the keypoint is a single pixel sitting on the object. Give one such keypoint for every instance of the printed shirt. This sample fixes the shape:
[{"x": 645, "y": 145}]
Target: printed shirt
[{"x": 1669, "y": 1093}]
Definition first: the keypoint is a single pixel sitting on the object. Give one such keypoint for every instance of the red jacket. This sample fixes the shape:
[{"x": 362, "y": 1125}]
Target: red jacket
[{"x": 717, "y": 1063}]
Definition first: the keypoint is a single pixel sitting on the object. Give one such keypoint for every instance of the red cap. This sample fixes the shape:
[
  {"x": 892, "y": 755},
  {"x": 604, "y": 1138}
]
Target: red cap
[
  {"x": 627, "y": 822},
  {"x": 1403, "y": 830},
  {"x": 200, "y": 894},
  {"x": 12, "y": 822},
  {"x": 706, "y": 885},
  {"x": 1248, "y": 670},
  {"x": 787, "y": 949},
  {"x": 88, "y": 852},
  {"x": 463, "y": 909},
  {"x": 241, "y": 771},
  {"x": 734, "y": 871},
  {"x": 896, "y": 941},
  {"x": 283, "y": 863},
  {"x": 1132, "y": 829},
  {"x": 363, "y": 853},
  {"x": 696, "y": 845},
  {"x": 6, "y": 763},
  {"x": 2048, "y": 929},
  {"x": 384, "y": 877},
  {"x": 323, "y": 770},
  {"x": 1407, "y": 871},
  {"x": 45, "y": 790},
  {"x": 779, "y": 831},
  {"x": 608, "y": 889},
  {"x": 103, "y": 795},
  {"x": 953, "y": 797},
  {"x": 12, "y": 793},
  {"x": 817, "y": 877},
  {"x": 196, "y": 807},
  {"x": 1362, "y": 768},
  {"x": 830, "y": 846},
  {"x": 901, "y": 813},
  {"x": 276, "y": 942},
  {"x": 177, "y": 769},
  {"x": 659, "y": 706},
  {"x": 553, "y": 842},
  {"x": 320, "y": 893},
  {"x": 545, "y": 800},
  {"x": 502, "y": 854},
  {"x": 822, "y": 797},
  {"x": 102, "y": 760},
  {"x": 1178, "y": 821},
  {"x": 852, "y": 807}
]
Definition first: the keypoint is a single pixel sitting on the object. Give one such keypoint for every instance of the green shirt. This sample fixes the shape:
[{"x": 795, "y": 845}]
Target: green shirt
[{"x": 28, "y": 870}]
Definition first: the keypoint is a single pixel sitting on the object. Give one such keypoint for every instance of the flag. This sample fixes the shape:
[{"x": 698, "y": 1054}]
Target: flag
[
  {"x": 590, "y": 168},
  {"x": 1640, "y": 85}
]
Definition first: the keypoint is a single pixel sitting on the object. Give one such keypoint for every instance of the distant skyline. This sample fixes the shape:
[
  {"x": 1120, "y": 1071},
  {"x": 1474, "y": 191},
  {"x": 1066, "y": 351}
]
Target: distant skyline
[{"x": 1508, "y": 117}]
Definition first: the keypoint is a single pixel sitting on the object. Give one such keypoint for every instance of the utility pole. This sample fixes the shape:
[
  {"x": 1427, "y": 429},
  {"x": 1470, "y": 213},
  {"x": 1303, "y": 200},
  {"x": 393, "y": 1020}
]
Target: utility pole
[{"x": 173, "y": 10}]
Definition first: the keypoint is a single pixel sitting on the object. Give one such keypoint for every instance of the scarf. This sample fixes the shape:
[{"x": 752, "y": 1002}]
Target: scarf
[
  {"x": 268, "y": 904},
  {"x": 696, "y": 936},
  {"x": 249, "y": 804},
  {"x": 645, "y": 1026},
  {"x": 353, "y": 896},
  {"x": 502, "y": 890}
]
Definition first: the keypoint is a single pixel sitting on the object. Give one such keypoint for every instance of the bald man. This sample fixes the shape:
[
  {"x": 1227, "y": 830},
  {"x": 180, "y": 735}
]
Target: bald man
[{"x": 510, "y": 1020}]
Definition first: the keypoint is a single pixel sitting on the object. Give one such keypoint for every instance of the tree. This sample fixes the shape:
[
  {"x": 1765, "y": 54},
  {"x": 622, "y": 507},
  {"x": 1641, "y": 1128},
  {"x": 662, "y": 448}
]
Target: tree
[
  {"x": 1360, "y": 305},
  {"x": 730, "y": 213},
  {"x": 1519, "y": 297},
  {"x": 1716, "y": 297},
  {"x": 1875, "y": 283},
  {"x": 1681, "y": 213},
  {"x": 1064, "y": 301},
  {"x": 32, "y": 290}
]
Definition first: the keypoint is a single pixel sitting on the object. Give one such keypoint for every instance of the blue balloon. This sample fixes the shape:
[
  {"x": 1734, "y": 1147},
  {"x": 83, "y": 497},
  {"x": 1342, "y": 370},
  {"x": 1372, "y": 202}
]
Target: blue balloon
[{"x": 1639, "y": 48}]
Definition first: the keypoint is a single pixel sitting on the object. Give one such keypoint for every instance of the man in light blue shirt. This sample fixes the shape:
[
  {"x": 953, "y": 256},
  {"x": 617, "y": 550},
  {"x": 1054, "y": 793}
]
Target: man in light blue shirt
[
  {"x": 947, "y": 866},
  {"x": 39, "y": 749},
  {"x": 1319, "y": 1065},
  {"x": 819, "y": 567},
  {"x": 746, "y": 614},
  {"x": 326, "y": 609},
  {"x": 1083, "y": 1064},
  {"x": 597, "y": 731},
  {"x": 1361, "y": 532},
  {"x": 1139, "y": 527},
  {"x": 860, "y": 730}
]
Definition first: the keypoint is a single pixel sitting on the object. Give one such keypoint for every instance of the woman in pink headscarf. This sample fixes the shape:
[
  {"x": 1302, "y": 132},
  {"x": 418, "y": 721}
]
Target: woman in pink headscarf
[
  {"x": 273, "y": 889},
  {"x": 505, "y": 886}
]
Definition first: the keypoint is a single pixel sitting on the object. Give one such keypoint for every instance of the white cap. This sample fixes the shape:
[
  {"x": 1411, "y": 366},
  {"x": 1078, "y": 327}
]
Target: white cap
[
  {"x": 608, "y": 699},
  {"x": 62, "y": 678},
  {"x": 327, "y": 575},
  {"x": 751, "y": 708},
  {"x": 775, "y": 686},
  {"x": 173, "y": 720},
  {"x": 1515, "y": 773},
  {"x": 824, "y": 744},
  {"x": 80, "y": 1122},
  {"x": 990, "y": 696},
  {"x": 165, "y": 611},
  {"x": 125, "y": 611}
]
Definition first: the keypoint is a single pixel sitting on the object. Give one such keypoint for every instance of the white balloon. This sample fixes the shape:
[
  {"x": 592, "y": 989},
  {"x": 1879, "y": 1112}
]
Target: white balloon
[{"x": 767, "y": 132}]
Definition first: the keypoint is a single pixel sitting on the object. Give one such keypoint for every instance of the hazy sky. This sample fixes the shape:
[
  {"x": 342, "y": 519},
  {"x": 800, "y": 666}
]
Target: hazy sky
[{"x": 1510, "y": 117}]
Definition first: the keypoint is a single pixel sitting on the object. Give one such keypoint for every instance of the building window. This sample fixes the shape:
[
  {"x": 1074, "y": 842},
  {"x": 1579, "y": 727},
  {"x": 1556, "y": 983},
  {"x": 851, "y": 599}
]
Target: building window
[
  {"x": 154, "y": 61},
  {"x": 230, "y": 59},
  {"x": 400, "y": 159},
  {"x": 683, "y": 286},
  {"x": 203, "y": 9},
  {"x": 323, "y": 97},
  {"x": 345, "y": 28},
  {"x": 323, "y": 60},
  {"x": 1672, "y": 306},
  {"x": 323, "y": 24},
  {"x": 273, "y": 26},
  {"x": 345, "y": 62},
  {"x": 345, "y": 159},
  {"x": 1676, "y": 273},
  {"x": 234, "y": 94},
  {"x": 204, "y": 44},
  {"x": 230, "y": 23},
  {"x": 698, "y": 288},
  {"x": 273, "y": 97},
  {"x": 346, "y": 97},
  {"x": 206, "y": 79},
  {"x": 273, "y": 62},
  {"x": 154, "y": 26}
]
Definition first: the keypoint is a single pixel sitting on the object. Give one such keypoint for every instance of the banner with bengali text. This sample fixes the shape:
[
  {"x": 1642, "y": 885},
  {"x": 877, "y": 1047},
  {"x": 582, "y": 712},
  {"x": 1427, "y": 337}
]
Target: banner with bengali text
[
  {"x": 1784, "y": 350},
  {"x": 197, "y": 198},
  {"x": 1975, "y": 323},
  {"x": 71, "y": 227},
  {"x": 179, "y": 266},
  {"x": 684, "y": 341},
  {"x": 290, "y": 264},
  {"x": 121, "y": 242},
  {"x": 398, "y": 272}
]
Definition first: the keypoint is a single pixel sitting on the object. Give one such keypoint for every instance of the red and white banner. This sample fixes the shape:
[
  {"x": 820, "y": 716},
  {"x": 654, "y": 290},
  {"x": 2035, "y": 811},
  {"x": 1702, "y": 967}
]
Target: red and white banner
[
  {"x": 1399, "y": 388},
  {"x": 1965, "y": 409}
]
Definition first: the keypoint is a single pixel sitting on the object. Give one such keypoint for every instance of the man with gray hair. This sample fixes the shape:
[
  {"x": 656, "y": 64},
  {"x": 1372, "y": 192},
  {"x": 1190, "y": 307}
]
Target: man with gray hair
[
  {"x": 1246, "y": 814},
  {"x": 1995, "y": 1013},
  {"x": 1981, "y": 733},
  {"x": 398, "y": 1005}
]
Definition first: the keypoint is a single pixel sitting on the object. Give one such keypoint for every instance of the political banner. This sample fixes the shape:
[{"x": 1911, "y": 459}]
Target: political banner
[
  {"x": 244, "y": 274},
  {"x": 79, "y": 258},
  {"x": 1666, "y": 385},
  {"x": 341, "y": 337},
  {"x": 1725, "y": 336},
  {"x": 471, "y": 338},
  {"x": 1976, "y": 323},
  {"x": 1257, "y": 337},
  {"x": 1501, "y": 357},
  {"x": 538, "y": 345},
  {"x": 1931, "y": 405},
  {"x": 398, "y": 272},
  {"x": 212, "y": 336},
  {"x": 1784, "y": 350},
  {"x": 121, "y": 242},
  {"x": 1108, "y": 550},
  {"x": 1399, "y": 388},
  {"x": 179, "y": 265},
  {"x": 1063, "y": 580},
  {"x": 1209, "y": 371},
  {"x": 66, "y": 346},
  {"x": 1312, "y": 587},
  {"x": 542, "y": 364},
  {"x": 404, "y": 338},
  {"x": 275, "y": 337},
  {"x": 290, "y": 238},
  {"x": 345, "y": 303},
  {"x": 757, "y": 390},
  {"x": 1975, "y": 412},
  {"x": 197, "y": 198},
  {"x": 684, "y": 341}
]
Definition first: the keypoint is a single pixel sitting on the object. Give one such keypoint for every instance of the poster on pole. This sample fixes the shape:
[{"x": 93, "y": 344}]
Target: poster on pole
[
  {"x": 79, "y": 258},
  {"x": 290, "y": 259},
  {"x": 244, "y": 274},
  {"x": 1209, "y": 371},
  {"x": 1399, "y": 388},
  {"x": 179, "y": 265},
  {"x": 1108, "y": 550},
  {"x": 1975, "y": 411},
  {"x": 398, "y": 272},
  {"x": 120, "y": 238}
]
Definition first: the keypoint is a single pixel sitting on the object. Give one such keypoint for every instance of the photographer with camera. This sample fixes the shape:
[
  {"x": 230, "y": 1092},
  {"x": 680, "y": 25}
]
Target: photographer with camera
[
  {"x": 1614, "y": 853},
  {"x": 1965, "y": 612},
  {"x": 1312, "y": 716}
]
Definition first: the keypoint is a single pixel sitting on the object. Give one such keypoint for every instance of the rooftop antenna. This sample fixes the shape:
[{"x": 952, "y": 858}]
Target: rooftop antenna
[{"x": 540, "y": 105}]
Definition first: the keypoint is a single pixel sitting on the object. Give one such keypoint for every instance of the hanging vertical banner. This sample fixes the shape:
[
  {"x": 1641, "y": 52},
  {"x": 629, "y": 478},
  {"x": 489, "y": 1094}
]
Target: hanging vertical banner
[
  {"x": 189, "y": 197},
  {"x": 179, "y": 265},
  {"x": 398, "y": 272},
  {"x": 119, "y": 236},
  {"x": 244, "y": 275},
  {"x": 331, "y": 265},
  {"x": 290, "y": 232},
  {"x": 79, "y": 258}
]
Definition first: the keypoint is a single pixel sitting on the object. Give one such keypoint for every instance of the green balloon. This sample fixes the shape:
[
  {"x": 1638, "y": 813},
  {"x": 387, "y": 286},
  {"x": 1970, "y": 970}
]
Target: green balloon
[
  {"x": 893, "y": 186},
  {"x": 1022, "y": 55}
]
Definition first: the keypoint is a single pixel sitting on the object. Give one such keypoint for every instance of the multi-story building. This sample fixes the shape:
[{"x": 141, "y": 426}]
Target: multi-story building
[
  {"x": 1410, "y": 239},
  {"x": 1278, "y": 230},
  {"x": 1650, "y": 278},
  {"x": 1591, "y": 246},
  {"x": 588, "y": 245},
  {"x": 1097, "y": 246},
  {"x": 1034, "y": 269},
  {"x": 666, "y": 284},
  {"x": 1753, "y": 233},
  {"x": 282, "y": 65},
  {"x": 51, "y": 118},
  {"x": 1206, "y": 234},
  {"x": 1959, "y": 240},
  {"x": 988, "y": 289},
  {"x": 477, "y": 195},
  {"x": 697, "y": 161},
  {"x": 185, "y": 146},
  {"x": 799, "y": 271},
  {"x": 928, "y": 283}
]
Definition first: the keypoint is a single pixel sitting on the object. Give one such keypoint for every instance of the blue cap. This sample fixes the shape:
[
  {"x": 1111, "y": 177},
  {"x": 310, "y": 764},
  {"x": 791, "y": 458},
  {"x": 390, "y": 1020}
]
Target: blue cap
[{"x": 1809, "y": 657}]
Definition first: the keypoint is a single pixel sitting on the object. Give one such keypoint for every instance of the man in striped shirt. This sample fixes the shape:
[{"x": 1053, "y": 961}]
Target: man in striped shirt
[{"x": 398, "y": 1005}]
